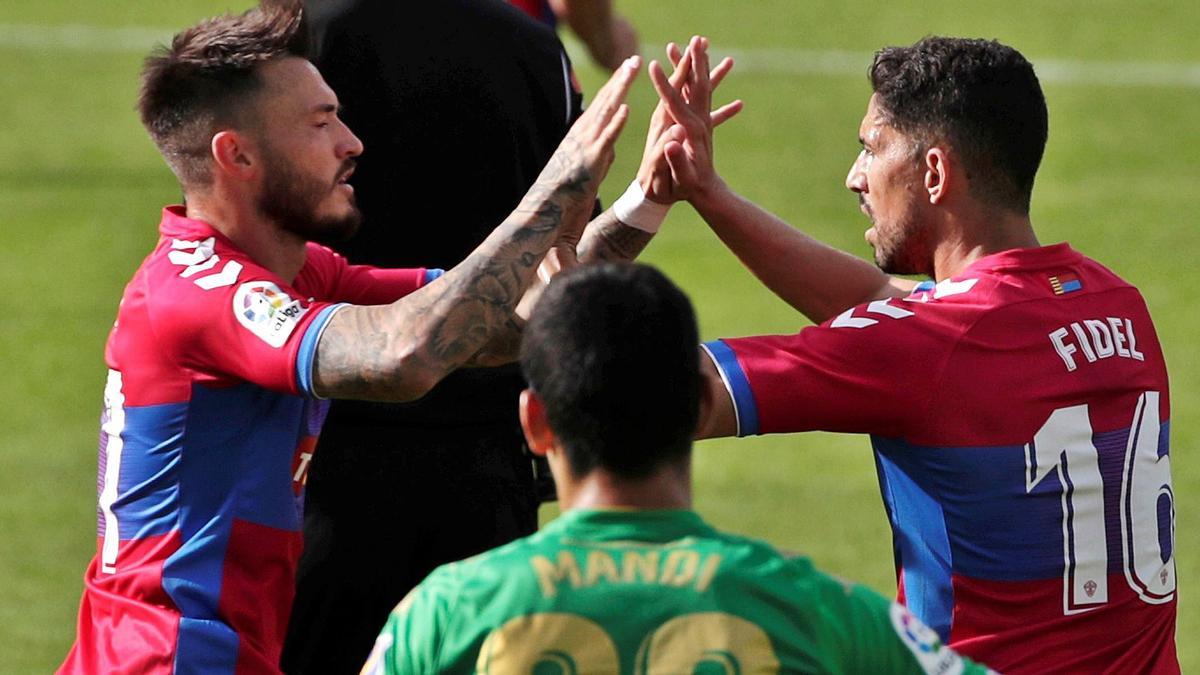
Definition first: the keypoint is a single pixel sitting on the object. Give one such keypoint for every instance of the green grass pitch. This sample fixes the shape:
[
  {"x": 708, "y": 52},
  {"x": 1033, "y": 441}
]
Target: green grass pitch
[{"x": 81, "y": 186}]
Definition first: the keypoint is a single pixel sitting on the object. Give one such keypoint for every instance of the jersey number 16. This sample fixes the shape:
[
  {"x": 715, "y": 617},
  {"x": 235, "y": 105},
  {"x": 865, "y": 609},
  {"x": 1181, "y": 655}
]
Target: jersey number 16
[{"x": 1146, "y": 506}]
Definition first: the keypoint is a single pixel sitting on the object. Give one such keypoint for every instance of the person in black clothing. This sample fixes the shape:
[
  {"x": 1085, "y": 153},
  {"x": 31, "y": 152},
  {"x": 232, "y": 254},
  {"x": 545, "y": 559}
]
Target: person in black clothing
[{"x": 459, "y": 103}]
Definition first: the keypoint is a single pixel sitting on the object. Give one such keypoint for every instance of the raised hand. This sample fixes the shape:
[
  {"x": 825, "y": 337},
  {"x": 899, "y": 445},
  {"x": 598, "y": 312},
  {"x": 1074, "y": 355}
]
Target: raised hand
[
  {"x": 693, "y": 83},
  {"x": 685, "y": 98},
  {"x": 586, "y": 153}
]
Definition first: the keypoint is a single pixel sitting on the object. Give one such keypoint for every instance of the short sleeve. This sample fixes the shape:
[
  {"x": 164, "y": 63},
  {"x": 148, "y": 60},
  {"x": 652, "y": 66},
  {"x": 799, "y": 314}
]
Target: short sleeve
[
  {"x": 329, "y": 276},
  {"x": 872, "y": 369},
  {"x": 247, "y": 326}
]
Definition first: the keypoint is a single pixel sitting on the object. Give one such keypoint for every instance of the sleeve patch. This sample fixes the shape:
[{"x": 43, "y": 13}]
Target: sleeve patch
[
  {"x": 931, "y": 654},
  {"x": 265, "y": 310}
]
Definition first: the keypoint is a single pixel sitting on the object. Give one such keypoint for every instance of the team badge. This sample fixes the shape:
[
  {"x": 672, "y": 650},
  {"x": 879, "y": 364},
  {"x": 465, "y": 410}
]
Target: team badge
[{"x": 265, "y": 310}]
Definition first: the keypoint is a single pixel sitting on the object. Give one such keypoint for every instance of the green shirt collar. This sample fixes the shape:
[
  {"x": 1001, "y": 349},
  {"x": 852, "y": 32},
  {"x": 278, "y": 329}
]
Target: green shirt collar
[{"x": 629, "y": 524}]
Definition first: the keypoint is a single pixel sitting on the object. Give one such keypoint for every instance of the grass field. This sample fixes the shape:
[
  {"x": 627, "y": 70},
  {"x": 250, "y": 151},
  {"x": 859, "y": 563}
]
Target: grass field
[{"x": 81, "y": 186}]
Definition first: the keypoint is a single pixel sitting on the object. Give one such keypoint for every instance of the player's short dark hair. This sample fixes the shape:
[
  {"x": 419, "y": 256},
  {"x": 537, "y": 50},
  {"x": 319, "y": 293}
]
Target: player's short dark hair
[
  {"x": 204, "y": 80},
  {"x": 980, "y": 96},
  {"x": 612, "y": 351}
]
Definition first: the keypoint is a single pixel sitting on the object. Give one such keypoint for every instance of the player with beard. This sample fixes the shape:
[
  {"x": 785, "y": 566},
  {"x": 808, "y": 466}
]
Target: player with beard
[
  {"x": 1017, "y": 402},
  {"x": 237, "y": 325}
]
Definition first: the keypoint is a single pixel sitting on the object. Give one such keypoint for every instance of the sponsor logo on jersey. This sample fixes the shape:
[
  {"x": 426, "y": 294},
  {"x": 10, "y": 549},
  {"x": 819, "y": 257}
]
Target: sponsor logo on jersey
[
  {"x": 924, "y": 643},
  {"x": 1065, "y": 283},
  {"x": 265, "y": 310}
]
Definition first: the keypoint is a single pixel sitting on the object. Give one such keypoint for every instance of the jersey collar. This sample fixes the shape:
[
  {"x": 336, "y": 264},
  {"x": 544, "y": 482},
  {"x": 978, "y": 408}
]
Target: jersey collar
[
  {"x": 1055, "y": 255},
  {"x": 633, "y": 524}
]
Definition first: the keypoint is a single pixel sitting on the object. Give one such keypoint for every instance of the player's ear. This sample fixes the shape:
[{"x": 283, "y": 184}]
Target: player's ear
[
  {"x": 538, "y": 435},
  {"x": 938, "y": 180},
  {"x": 233, "y": 154}
]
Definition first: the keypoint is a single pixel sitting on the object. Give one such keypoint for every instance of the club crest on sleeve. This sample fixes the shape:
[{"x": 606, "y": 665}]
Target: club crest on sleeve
[
  {"x": 268, "y": 312},
  {"x": 924, "y": 643}
]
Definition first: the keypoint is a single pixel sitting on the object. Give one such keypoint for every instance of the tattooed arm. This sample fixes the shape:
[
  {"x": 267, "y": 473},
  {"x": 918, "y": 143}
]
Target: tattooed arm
[{"x": 398, "y": 352}]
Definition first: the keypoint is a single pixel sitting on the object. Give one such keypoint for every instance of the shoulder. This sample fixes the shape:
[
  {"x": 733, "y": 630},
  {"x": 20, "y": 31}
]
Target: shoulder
[
  {"x": 206, "y": 285},
  {"x": 187, "y": 279},
  {"x": 482, "y": 574}
]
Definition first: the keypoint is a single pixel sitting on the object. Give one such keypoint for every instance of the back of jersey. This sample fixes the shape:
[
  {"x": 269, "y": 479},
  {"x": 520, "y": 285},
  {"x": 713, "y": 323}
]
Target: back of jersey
[
  {"x": 1033, "y": 508},
  {"x": 648, "y": 591}
]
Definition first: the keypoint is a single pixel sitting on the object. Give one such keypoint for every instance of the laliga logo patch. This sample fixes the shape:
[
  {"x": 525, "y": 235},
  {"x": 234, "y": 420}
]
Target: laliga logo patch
[
  {"x": 924, "y": 644},
  {"x": 268, "y": 312}
]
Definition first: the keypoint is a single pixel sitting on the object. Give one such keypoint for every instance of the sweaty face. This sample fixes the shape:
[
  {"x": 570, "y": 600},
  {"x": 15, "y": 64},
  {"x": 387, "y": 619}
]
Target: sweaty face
[
  {"x": 307, "y": 155},
  {"x": 888, "y": 178}
]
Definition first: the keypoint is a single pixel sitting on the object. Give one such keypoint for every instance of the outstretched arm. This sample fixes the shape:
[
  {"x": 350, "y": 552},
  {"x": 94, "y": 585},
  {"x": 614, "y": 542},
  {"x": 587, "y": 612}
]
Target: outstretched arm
[
  {"x": 399, "y": 351},
  {"x": 816, "y": 279}
]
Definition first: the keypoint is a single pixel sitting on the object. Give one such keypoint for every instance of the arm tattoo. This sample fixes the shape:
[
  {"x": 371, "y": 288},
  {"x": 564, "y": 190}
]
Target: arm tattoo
[
  {"x": 608, "y": 239},
  {"x": 399, "y": 351}
]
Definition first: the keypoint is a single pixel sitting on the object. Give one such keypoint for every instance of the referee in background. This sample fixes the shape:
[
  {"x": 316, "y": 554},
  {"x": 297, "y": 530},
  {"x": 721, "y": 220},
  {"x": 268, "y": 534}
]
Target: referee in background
[{"x": 459, "y": 103}]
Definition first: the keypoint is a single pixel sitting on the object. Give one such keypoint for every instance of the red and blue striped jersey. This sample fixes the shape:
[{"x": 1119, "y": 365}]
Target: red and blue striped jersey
[
  {"x": 208, "y": 427},
  {"x": 1019, "y": 414}
]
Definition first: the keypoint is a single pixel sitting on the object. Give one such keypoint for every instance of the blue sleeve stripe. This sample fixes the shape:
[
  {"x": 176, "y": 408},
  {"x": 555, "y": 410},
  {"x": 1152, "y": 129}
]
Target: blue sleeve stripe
[
  {"x": 739, "y": 387},
  {"x": 432, "y": 273},
  {"x": 308, "y": 349}
]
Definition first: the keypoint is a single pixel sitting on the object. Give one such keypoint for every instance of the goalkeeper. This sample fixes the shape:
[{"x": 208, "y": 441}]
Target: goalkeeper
[{"x": 629, "y": 579}]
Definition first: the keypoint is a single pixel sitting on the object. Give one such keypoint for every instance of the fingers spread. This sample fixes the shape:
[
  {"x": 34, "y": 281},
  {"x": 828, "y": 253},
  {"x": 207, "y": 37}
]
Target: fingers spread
[
  {"x": 674, "y": 102},
  {"x": 674, "y": 53},
  {"x": 720, "y": 71},
  {"x": 726, "y": 112}
]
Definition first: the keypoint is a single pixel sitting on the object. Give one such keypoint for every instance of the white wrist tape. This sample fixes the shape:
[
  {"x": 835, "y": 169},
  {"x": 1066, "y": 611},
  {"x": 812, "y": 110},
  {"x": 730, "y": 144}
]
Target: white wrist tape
[{"x": 637, "y": 212}]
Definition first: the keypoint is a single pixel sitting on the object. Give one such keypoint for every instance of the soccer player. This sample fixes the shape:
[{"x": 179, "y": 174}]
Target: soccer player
[
  {"x": 237, "y": 325},
  {"x": 629, "y": 579},
  {"x": 1017, "y": 402}
]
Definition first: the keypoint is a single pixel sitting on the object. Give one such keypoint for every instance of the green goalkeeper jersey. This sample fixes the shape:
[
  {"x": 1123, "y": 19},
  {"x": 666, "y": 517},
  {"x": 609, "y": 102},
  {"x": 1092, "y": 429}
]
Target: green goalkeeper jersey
[{"x": 625, "y": 591}]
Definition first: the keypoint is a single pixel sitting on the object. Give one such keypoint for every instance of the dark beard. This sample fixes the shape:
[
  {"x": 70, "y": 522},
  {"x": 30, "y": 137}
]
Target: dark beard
[
  {"x": 912, "y": 254},
  {"x": 292, "y": 199}
]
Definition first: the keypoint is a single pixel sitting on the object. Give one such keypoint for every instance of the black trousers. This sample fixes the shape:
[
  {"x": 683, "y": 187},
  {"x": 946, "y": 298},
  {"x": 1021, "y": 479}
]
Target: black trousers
[{"x": 383, "y": 508}]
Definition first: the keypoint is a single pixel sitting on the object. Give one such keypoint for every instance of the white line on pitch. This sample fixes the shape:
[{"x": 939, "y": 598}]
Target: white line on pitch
[{"x": 771, "y": 61}]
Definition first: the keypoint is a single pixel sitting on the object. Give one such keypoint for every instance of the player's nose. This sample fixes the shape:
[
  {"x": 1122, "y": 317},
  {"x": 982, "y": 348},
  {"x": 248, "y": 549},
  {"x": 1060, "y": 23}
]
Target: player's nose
[
  {"x": 856, "y": 179},
  {"x": 350, "y": 145}
]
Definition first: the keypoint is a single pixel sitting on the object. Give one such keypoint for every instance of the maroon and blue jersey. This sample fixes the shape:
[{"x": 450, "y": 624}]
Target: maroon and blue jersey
[
  {"x": 1019, "y": 413},
  {"x": 208, "y": 428}
]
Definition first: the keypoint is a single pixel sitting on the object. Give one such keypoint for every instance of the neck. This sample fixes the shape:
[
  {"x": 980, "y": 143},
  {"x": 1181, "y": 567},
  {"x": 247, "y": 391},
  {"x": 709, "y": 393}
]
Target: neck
[
  {"x": 668, "y": 488},
  {"x": 982, "y": 233},
  {"x": 259, "y": 237}
]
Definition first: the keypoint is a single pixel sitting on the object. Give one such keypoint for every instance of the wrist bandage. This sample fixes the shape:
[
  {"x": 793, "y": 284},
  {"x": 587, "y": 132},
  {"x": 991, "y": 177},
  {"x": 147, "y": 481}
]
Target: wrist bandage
[{"x": 637, "y": 212}]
